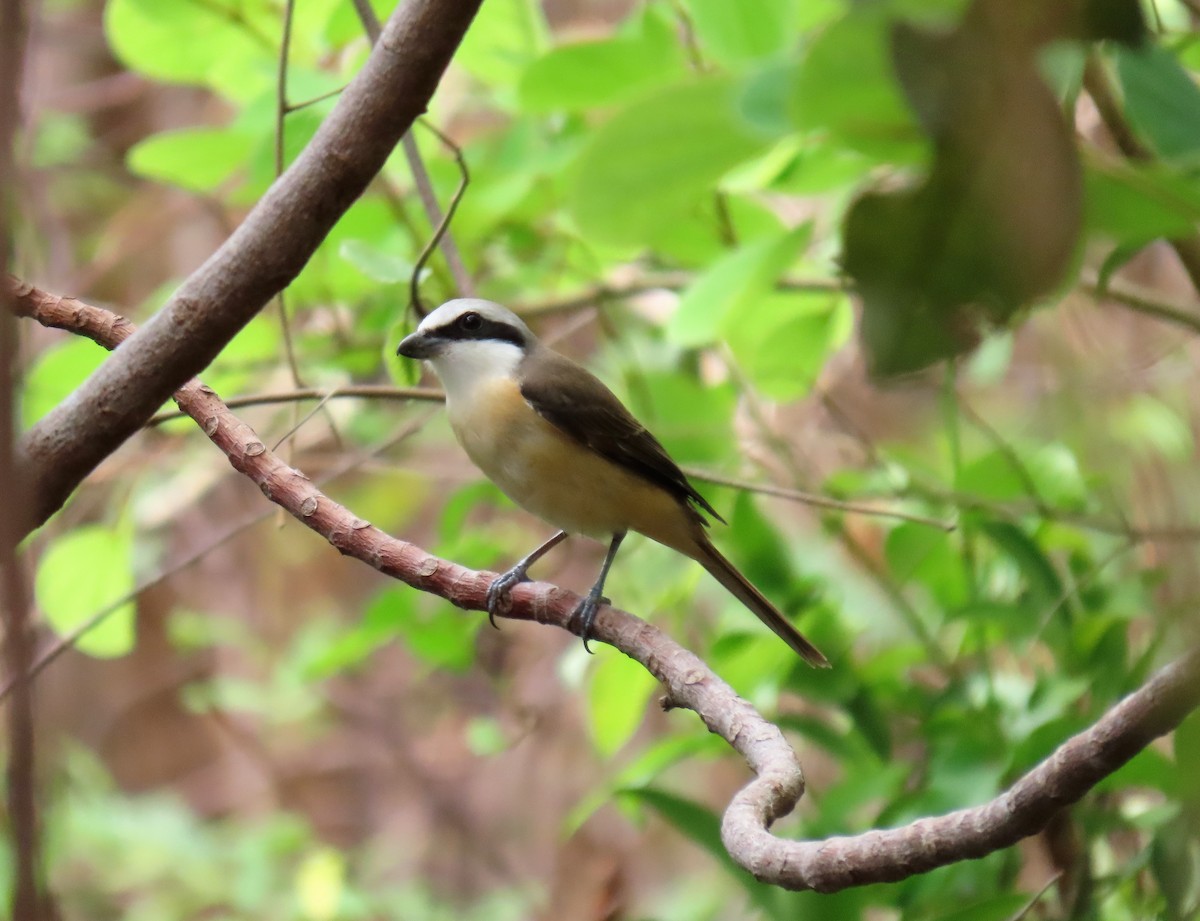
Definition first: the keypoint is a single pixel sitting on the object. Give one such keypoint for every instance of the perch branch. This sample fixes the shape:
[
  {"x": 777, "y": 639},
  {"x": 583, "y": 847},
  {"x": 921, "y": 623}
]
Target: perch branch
[
  {"x": 829, "y": 865},
  {"x": 262, "y": 256}
]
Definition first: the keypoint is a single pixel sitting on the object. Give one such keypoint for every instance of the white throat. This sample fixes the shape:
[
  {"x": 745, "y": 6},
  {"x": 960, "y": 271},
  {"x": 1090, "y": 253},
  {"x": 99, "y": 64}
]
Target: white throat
[{"x": 463, "y": 367}]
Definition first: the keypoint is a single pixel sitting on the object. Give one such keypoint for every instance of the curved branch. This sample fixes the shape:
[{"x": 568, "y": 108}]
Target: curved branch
[
  {"x": 262, "y": 256},
  {"x": 827, "y": 866},
  {"x": 966, "y": 834}
]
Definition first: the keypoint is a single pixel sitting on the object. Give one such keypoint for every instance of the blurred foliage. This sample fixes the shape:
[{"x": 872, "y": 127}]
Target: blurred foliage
[{"x": 735, "y": 168}]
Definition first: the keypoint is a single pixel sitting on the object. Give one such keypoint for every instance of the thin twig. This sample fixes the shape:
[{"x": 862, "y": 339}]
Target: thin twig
[
  {"x": 68, "y": 640},
  {"x": 281, "y": 111},
  {"x": 442, "y": 230},
  {"x": 1037, "y": 897},
  {"x": 297, "y": 106},
  {"x": 424, "y": 186},
  {"x": 428, "y": 394},
  {"x": 808, "y": 498},
  {"x": 1135, "y": 299},
  {"x": 661, "y": 281},
  {"x": 358, "y": 391}
]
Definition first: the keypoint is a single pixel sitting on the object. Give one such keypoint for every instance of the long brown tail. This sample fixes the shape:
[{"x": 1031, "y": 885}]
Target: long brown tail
[{"x": 740, "y": 587}]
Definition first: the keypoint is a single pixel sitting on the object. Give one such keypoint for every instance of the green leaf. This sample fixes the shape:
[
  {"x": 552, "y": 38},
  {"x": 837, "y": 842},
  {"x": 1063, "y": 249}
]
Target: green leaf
[
  {"x": 697, "y": 241},
  {"x": 617, "y": 693},
  {"x": 437, "y": 633},
  {"x": 732, "y": 285},
  {"x": 82, "y": 573},
  {"x": 703, "y": 827},
  {"x": 644, "y": 168},
  {"x": 230, "y": 47},
  {"x": 1042, "y": 581},
  {"x": 738, "y": 33},
  {"x": 1055, "y": 472},
  {"x": 691, "y": 419},
  {"x": 846, "y": 85},
  {"x": 196, "y": 159},
  {"x": 697, "y": 822},
  {"x": 930, "y": 557},
  {"x": 1148, "y": 768},
  {"x": 377, "y": 264},
  {"x": 992, "y": 476},
  {"x": 992, "y": 908},
  {"x": 784, "y": 340},
  {"x": 1187, "y": 752},
  {"x": 1133, "y": 204},
  {"x": 56, "y": 373},
  {"x": 256, "y": 343},
  {"x": 567, "y": 77},
  {"x": 1148, "y": 426},
  {"x": 504, "y": 38},
  {"x": 1173, "y": 860},
  {"x": 1161, "y": 99}
]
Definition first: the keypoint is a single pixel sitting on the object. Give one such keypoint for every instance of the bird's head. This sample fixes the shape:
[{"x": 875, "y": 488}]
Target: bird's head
[{"x": 469, "y": 340}]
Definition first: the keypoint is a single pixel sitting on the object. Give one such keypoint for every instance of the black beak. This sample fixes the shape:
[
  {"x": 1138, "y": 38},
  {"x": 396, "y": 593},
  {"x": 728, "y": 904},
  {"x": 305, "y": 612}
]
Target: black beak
[{"x": 416, "y": 345}]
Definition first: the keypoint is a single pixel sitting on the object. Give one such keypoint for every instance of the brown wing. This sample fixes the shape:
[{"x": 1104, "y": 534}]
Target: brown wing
[{"x": 579, "y": 405}]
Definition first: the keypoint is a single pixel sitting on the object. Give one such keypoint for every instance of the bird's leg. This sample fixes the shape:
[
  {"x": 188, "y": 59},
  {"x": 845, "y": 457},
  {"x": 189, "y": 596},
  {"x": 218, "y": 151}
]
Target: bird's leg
[
  {"x": 499, "y": 589},
  {"x": 586, "y": 612}
]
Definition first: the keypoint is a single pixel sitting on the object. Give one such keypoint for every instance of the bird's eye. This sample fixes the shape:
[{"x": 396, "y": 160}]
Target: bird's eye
[{"x": 470, "y": 321}]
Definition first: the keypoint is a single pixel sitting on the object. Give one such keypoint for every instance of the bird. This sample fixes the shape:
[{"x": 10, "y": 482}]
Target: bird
[{"x": 560, "y": 444}]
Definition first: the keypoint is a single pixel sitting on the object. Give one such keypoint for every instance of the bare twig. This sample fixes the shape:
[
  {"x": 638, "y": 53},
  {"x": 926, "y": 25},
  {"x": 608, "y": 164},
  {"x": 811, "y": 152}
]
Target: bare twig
[
  {"x": 416, "y": 166},
  {"x": 358, "y": 391},
  {"x": 829, "y": 865},
  {"x": 661, "y": 281},
  {"x": 261, "y": 257},
  {"x": 1037, "y": 897},
  {"x": 281, "y": 111},
  {"x": 68, "y": 640},
  {"x": 442, "y": 229},
  {"x": 429, "y": 394},
  {"x": 808, "y": 498},
  {"x": 1144, "y": 302}
]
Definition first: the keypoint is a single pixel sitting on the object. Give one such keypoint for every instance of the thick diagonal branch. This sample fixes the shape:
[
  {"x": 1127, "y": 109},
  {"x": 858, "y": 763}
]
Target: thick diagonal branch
[
  {"x": 262, "y": 256},
  {"x": 829, "y": 865}
]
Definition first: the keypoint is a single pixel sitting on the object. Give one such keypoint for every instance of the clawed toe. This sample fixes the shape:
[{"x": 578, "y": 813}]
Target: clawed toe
[
  {"x": 585, "y": 617},
  {"x": 498, "y": 600}
]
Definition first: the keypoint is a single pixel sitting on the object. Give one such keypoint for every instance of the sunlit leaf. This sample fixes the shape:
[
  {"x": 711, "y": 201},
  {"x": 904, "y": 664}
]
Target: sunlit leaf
[
  {"x": 1162, "y": 99},
  {"x": 566, "y": 78},
  {"x": 82, "y": 573},
  {"x": 231, "y": 48},
  {"x": 618, "y": 689},
  {"x": 732, "y": 285},
  {"x": 505, "y": 36},
  {"x": 56, "y": 373},
  {"x": 736, "y": 33},
  {"x": 196, "y": 159},
  {"x": 645, "y": 167}
]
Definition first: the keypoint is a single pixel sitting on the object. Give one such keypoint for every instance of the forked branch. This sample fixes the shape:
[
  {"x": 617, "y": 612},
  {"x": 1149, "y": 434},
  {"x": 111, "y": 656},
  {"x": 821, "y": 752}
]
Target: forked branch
[{"x": 260, "y": 259}]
